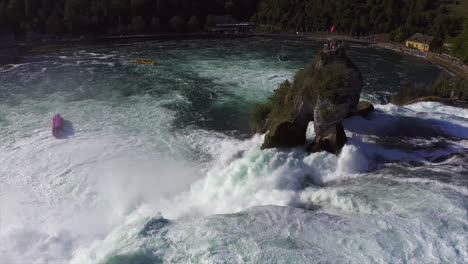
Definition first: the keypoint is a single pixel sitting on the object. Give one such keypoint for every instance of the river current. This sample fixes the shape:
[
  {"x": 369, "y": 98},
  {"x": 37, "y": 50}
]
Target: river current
[{"x": 157, "y": 164}]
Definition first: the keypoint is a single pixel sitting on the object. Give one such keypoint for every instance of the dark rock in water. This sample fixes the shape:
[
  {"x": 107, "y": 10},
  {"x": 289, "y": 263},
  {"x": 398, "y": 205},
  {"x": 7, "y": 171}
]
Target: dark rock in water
[
  {"x": 153, "y": 226},
  {"x": 337, "y": 64},
  {"x": 289, "y": 134},
  {"x": 324, "y": 92},
  {"x": 285, "y": 135},
  {"x": 135, "y": 258},
  {"x": 329, "y": 131},
  {"x": 305, "y": 114},
  {"x": 364, "y": 108},
  {"x": 332, "y": 142},
  {"x": 340, "y": 98}
]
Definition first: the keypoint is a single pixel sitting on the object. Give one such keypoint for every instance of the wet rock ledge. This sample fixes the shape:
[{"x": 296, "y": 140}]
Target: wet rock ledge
[{"x": 326, "y": 92}]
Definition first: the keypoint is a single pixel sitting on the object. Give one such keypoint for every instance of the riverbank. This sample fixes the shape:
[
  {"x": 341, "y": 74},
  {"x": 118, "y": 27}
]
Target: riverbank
[
  {"x": 461, "y": 70},
  {"x": 170, "y": 138},
  {"x": 447, "y": 63}
]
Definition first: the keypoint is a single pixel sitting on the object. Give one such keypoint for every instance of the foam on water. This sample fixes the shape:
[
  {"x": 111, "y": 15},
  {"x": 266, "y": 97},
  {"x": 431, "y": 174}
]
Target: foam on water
[
  {"x": 390, "y": 218},
  {"x": 58, "y": 195},
  {"x": 143, "y": 177}
]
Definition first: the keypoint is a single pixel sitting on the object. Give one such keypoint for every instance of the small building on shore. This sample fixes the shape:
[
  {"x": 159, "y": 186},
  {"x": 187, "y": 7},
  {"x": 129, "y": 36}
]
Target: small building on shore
[{"x": 419, "y": 41}]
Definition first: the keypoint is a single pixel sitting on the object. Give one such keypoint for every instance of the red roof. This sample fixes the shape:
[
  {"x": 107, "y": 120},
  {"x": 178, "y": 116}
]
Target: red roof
[{"x": 420, "y": 38}]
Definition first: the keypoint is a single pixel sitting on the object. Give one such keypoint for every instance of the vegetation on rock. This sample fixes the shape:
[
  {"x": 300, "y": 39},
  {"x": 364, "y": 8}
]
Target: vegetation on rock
[
  {"x": 444, "y": 89},
  {"x": 259, "y": 117},
  {"x": 331, "y": 79},
  {"x": 331, "y": 83},
  {"x": 284, "y": 134},
  {"x": 460, "y": 47}
]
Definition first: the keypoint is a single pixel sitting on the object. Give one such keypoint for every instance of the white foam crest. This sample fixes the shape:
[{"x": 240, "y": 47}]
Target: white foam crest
[
  {"x": 111, "y": 178},
  {"x": 66, "y": 193},
  {"x": 11, "y": 67},
  {"x": 378, "y": 194},
  {"x": 450, "y": 120},
  {"x": 245, "y": 75},
  {"x": 439, "y": 108},
  {"x": 242, "y": 176},
  {"x": 290, "y": 235},
  {"x": 335, "y": 200},
  {"x": 441, "y": 185},
  {"x": 410, "y": 136}
]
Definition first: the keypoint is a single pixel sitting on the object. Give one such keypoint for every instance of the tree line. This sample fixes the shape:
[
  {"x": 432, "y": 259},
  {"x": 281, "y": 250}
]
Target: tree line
[
  {"x": 57, "y": 17},
  {"x": 400, "y": 17}
]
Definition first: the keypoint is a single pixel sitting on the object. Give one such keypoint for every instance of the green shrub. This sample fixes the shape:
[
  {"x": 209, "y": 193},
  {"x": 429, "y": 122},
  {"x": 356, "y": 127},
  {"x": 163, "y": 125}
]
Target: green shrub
[
  {"x": 441, "y": 86},
  {"x": 334, "y": 83},
  {"x": 280, "y": 105},
  {"x": 460, "y": 88},
  {"x": 329, "y": 77},
  {"x": 444, "y": 87},
  {"x": 258, "y": 117},
  {"x": 409, "y": 92}
]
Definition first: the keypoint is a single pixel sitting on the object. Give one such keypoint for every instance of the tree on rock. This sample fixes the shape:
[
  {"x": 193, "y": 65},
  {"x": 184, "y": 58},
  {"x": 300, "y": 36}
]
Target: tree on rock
[{"x": 325, "y": 92}]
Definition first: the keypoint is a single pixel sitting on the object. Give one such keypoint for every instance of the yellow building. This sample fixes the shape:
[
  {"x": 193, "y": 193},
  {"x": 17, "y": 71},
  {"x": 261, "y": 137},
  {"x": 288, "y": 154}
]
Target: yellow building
[{"x": 419, "y": 41}]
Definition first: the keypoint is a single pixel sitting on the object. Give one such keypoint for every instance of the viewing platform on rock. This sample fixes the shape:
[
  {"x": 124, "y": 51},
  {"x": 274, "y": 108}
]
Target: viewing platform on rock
[
  {"x": 326, "y": 92},
  {"x": 333, "y": 45}
]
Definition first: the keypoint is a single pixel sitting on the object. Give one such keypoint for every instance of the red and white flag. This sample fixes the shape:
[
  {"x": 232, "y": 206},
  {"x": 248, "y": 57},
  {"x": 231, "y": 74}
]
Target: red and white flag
[{"x": 332, "y": 29}]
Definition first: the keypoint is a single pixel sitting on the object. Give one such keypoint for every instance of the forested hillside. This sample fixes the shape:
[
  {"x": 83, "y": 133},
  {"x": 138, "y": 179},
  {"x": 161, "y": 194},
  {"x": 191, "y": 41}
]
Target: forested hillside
[
  {"x": 400, "y": 17},
  {"x": 116, "y": 16}
]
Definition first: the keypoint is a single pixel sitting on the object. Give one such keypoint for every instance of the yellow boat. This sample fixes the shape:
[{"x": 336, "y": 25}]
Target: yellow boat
[{"x": 144, "y": 61}]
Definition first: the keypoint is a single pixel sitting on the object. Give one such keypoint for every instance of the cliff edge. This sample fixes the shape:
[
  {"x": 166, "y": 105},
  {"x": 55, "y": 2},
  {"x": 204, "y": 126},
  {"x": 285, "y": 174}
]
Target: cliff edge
[{"x": 326, "y": 92}]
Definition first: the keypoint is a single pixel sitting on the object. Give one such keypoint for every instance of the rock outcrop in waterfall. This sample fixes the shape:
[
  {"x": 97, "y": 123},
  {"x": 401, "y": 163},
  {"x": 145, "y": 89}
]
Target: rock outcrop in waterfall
[{"x": 325, "y": 92}]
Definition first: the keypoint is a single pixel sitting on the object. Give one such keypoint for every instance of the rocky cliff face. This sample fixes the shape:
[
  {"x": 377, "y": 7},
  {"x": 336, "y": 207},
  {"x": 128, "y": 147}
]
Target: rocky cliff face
[
  {"x": 326, "y": 92},
  {"x": 339, "y": 97}
]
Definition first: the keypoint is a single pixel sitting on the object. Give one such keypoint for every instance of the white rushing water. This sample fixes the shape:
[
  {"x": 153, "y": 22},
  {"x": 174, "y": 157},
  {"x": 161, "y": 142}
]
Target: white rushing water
[{"x": 155, "y": 166}]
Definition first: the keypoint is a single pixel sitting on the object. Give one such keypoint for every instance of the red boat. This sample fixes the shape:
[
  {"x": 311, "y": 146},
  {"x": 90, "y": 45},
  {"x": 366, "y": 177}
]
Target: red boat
[{"x": 57, "y": 126}]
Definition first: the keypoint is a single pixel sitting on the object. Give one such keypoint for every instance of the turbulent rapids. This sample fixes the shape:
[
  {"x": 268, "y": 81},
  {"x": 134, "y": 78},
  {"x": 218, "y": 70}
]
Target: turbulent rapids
[{"x": 157, "y": 165}]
